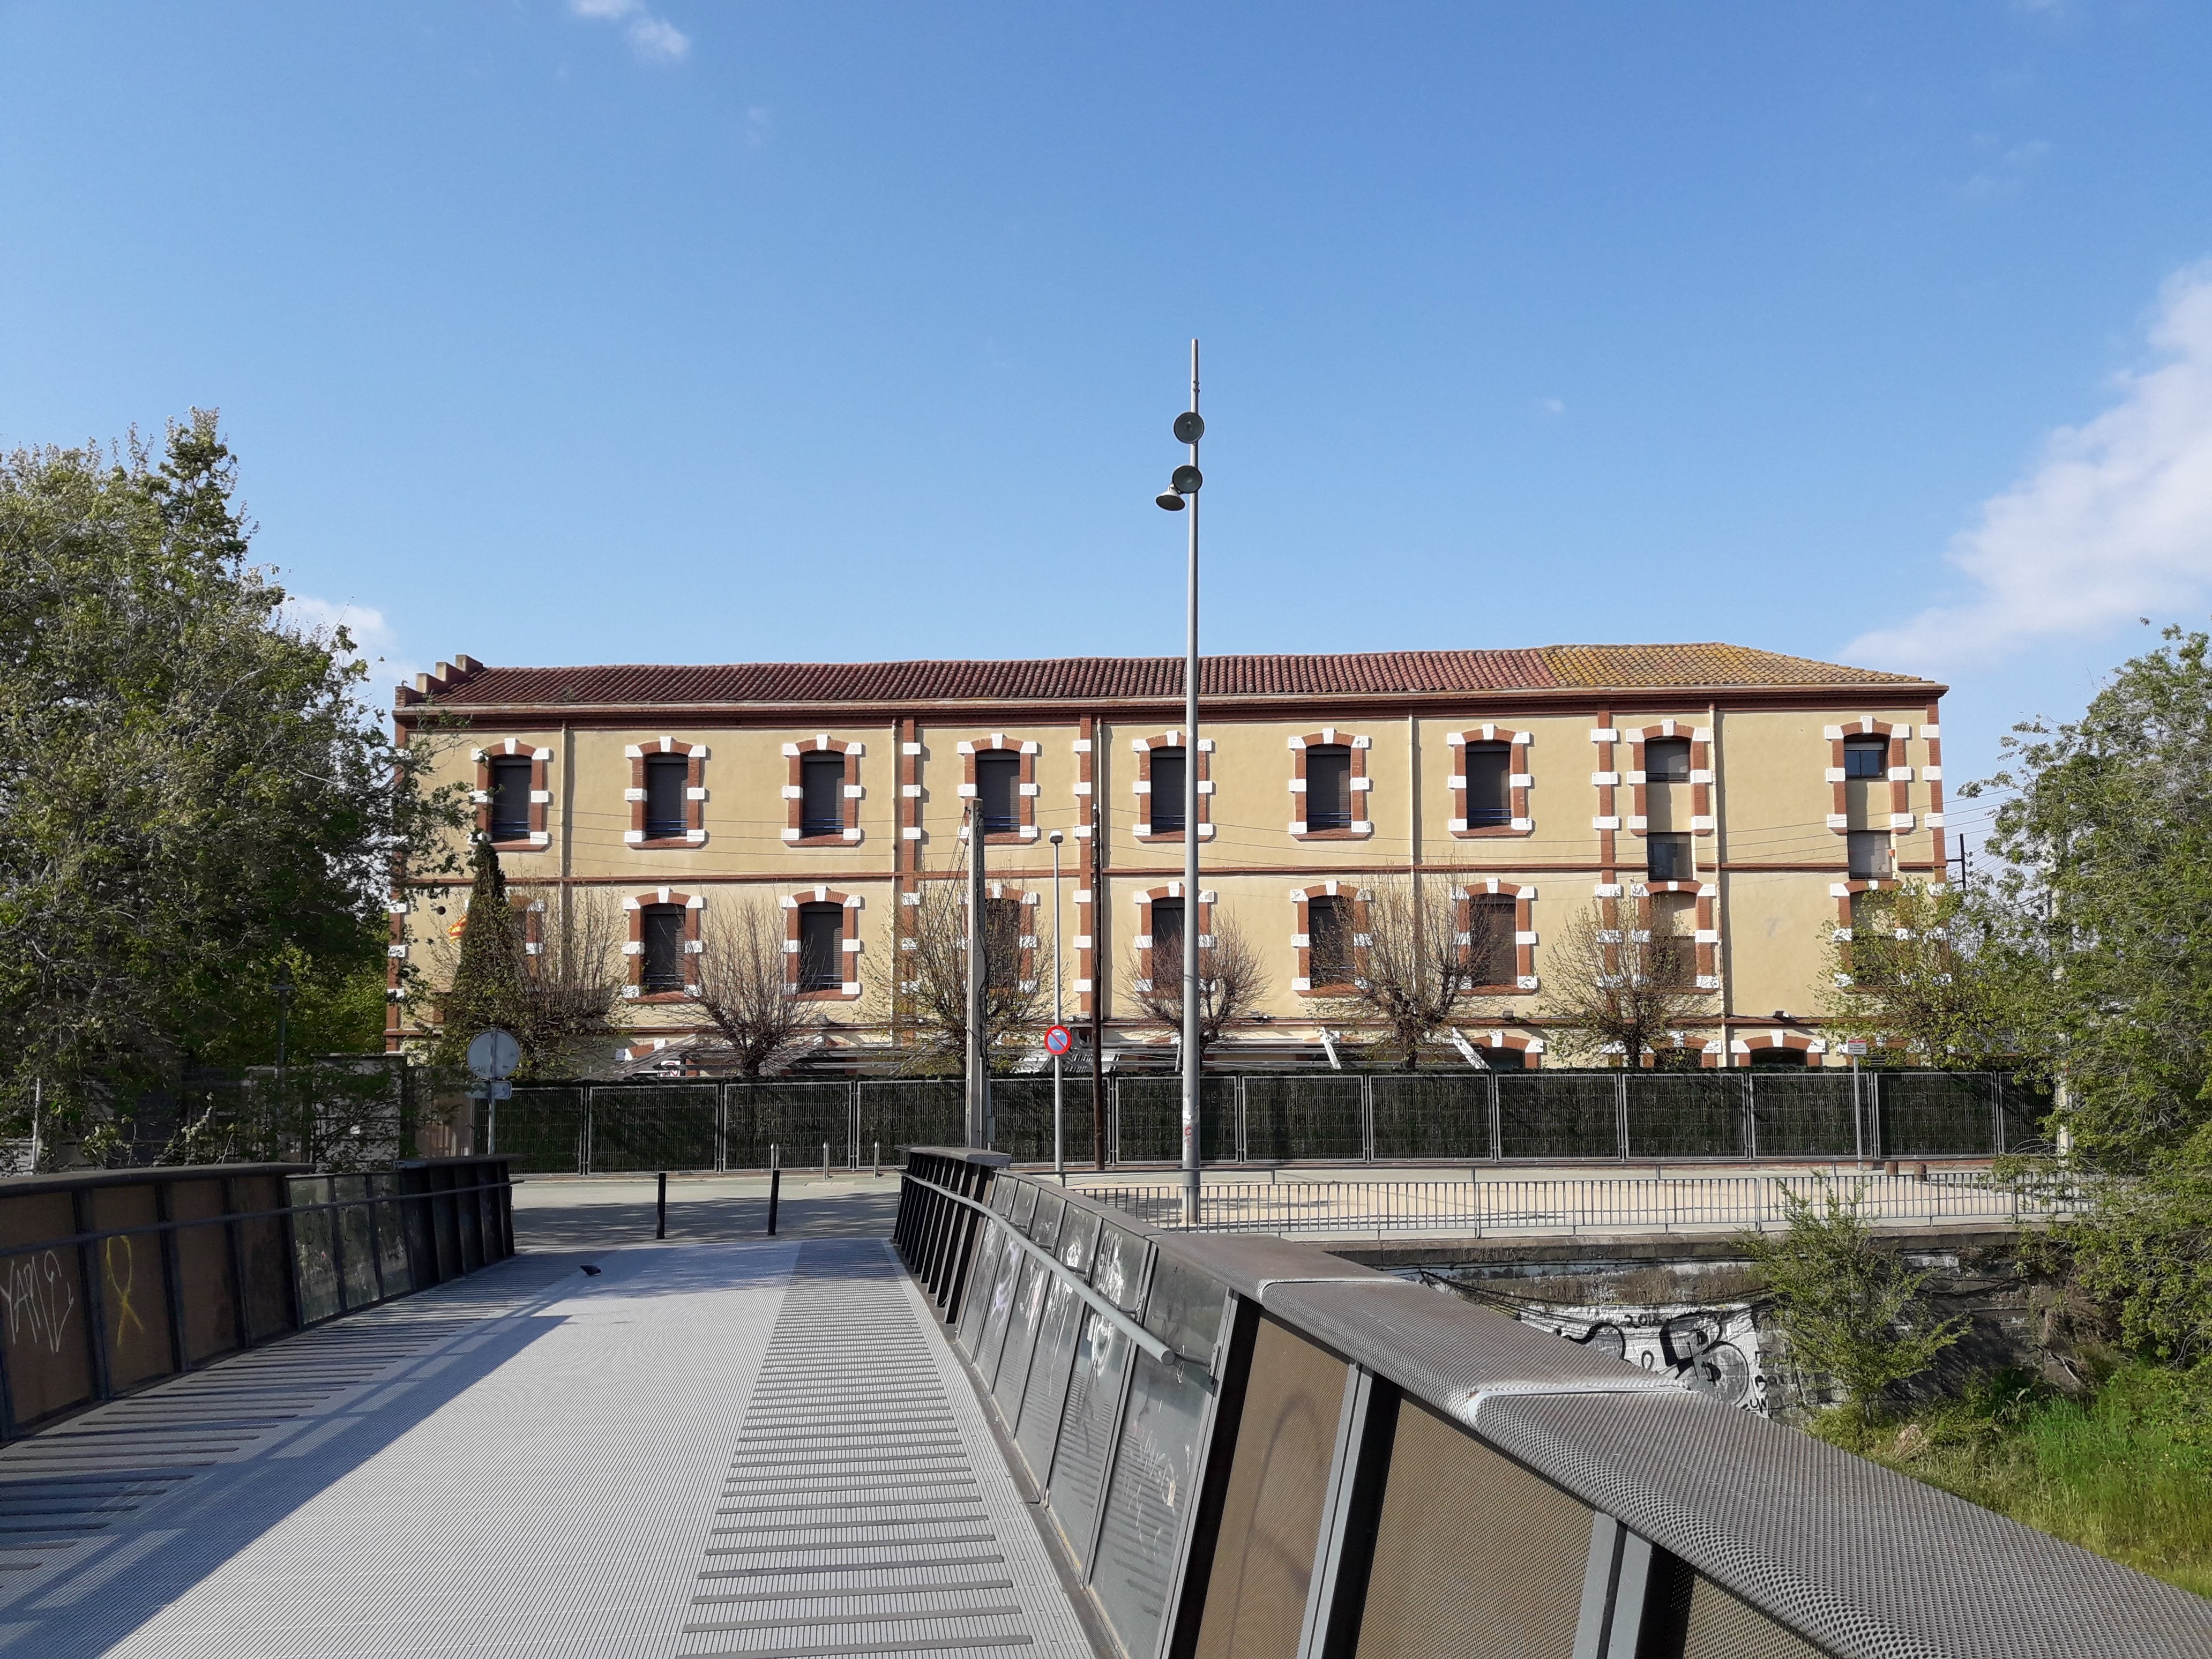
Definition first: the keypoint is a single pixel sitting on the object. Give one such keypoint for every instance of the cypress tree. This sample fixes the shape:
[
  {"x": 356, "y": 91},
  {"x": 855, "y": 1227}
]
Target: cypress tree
[{"x": 487, "y": 987}]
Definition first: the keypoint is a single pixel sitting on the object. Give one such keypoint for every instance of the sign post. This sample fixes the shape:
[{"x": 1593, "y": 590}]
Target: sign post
[
  {"x": 493, "y": 1055},
  {"x": 1854, "y": 1046}
]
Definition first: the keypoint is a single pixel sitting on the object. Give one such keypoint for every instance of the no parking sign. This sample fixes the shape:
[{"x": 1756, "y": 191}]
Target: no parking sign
[{"x": 1058, "y": 1041}]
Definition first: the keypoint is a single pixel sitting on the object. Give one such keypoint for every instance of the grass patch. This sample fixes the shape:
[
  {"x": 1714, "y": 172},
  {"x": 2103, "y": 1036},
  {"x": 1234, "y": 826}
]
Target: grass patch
[{"x": 2126, "y": 1473}]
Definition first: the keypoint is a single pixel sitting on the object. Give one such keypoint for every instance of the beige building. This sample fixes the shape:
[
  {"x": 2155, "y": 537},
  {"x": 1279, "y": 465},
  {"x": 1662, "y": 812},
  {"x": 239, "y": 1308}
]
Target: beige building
[{"x": 1734, "y": 798}]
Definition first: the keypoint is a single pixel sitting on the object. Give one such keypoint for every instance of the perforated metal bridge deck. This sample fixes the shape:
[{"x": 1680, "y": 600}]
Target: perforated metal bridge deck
[{"x": 756, "y": 1450}]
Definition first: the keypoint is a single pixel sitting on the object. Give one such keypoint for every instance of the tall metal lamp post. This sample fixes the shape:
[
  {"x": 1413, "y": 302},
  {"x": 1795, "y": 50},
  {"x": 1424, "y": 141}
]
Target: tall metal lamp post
[
  {"x": 1180, "y": 496},
  {"x": 1058, "y": 1135}
]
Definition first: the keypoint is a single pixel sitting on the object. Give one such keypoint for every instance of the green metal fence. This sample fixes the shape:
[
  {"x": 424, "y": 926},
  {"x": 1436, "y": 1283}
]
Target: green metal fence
[{"x": 1280, "y": 1117}]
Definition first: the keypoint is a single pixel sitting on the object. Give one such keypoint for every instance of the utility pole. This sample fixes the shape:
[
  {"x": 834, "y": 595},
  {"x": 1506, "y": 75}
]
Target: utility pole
[
  {"x": 1965, "y": 860},
  {"x": 1097, "y": 978},
  {"x": 979, "y": 984}
]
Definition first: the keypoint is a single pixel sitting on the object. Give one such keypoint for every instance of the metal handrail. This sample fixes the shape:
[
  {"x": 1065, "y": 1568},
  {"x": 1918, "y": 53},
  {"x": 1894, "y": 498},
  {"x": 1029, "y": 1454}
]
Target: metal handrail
[
  {"x": 1102, "y": 1304},
  {"x": 180, "y": 1224}
]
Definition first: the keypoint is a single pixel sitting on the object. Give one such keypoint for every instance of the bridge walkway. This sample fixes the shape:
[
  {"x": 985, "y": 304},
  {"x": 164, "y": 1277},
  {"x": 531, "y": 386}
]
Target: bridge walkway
[{"x": 746, "y": 1449}]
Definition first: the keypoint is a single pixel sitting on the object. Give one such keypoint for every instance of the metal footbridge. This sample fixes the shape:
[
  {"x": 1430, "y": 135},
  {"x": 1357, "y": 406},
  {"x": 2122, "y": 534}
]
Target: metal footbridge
[{"x": 1023, "y": 1422}]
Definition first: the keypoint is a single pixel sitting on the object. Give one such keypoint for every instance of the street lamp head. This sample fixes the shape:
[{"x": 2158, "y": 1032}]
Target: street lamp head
[
  {"x": 1168, "y": 500},
  {"x": 1186, "y": 479},
  {"x": 1055, "y": 838},
  {"x": 1188, "y": 428}
]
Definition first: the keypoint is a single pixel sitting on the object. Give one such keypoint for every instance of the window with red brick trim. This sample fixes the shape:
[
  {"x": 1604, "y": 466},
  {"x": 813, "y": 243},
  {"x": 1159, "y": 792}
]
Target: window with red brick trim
[
  {"x": 1329, "y": 786},
  {"x": 1331, "y": 937},
  {"x": 1867, "y": 753},
  {"x": 1671, "y": 753},
  {"x": 1001, "y": 777},
  {"x": 664, "y": 938},
  {"x": 822, "y": 791},
  {"x": 512, "y": 796},
  {"x": 813, "y": 969},
  {"x": 1160, "y": 786},
  {"x": 1495, "y": 923},
  {"x": 1162, "y": 914},
  {"x": 667, "y": 794},
  {"x": 1490, "y": 782}
]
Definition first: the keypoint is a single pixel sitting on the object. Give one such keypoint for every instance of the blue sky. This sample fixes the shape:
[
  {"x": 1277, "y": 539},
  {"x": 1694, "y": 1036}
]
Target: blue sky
[{"x": 615, "y": 330}]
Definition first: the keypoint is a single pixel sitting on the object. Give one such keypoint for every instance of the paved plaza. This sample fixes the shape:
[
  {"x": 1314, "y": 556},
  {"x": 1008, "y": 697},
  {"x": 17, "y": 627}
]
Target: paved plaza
[{"x": 757, "y": 1448}]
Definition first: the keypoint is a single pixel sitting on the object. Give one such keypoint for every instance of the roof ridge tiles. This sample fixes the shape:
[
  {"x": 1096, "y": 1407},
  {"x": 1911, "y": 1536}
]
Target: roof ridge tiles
[{"x": 1706, "y": 665}]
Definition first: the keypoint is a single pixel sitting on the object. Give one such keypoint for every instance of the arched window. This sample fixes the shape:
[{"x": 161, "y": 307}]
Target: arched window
[
  {"x": 510, "y": 797},
  {"x": 1167, "y": 796},
  {"x": 999, "y": 793},
  {"x": 1328, "y": 787},
  {"x": 821, "y": 947},
  {"x": 1494, "y": 920},
  {"x": 660, "y": 929},
  {"x": 821, "y": 796},
  {"x": 1001, "y": 779},
  {"x": 667, "y": 794},
  {"x": 1003, "y": 955},
  {"x": 1674, "y": 940},
  {"x": 1328, "y": 934},
  {"x": 666, "y": 778},
  {"x": 1489, "y": 785},
  {"x": 1667, "y": 760},
  {"x": 1777, "y": 1059}
]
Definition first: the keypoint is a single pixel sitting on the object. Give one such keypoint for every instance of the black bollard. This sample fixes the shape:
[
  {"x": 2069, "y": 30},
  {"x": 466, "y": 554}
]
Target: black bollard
[
  {"x": 660, "y": 1227},
  {"x": 775, "y": 1192}
]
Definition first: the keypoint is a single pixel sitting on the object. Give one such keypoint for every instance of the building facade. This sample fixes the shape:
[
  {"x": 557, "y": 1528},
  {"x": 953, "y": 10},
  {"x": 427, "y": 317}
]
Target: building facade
[{"x": 1733, "y": 797}]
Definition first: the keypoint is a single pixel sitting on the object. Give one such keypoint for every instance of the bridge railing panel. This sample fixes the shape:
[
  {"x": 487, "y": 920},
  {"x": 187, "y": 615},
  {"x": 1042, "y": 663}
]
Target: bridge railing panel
[{"x": 1244, "y": 1432}]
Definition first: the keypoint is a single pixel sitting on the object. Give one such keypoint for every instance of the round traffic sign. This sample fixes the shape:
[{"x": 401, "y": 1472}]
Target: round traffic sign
[
  {"x": 1058, "y": 1041},
  {"x": 492, "y": 1053}
]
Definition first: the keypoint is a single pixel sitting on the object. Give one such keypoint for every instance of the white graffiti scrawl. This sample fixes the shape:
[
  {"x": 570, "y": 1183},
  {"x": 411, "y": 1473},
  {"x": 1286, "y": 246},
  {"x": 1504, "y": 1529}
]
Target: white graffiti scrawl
[{"x": 40, "y": 1298}]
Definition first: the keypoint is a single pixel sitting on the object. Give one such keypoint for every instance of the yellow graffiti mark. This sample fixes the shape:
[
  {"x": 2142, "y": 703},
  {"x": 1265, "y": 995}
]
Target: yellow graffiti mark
[{"x": 124, "y": 1310}]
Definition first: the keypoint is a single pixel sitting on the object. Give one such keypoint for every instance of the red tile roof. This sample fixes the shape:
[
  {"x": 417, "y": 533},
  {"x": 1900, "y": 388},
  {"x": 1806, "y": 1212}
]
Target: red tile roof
[{"x": 1110, "y": 679}]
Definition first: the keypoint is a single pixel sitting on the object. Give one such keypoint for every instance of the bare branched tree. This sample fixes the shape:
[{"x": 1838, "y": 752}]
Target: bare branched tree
[
  {"x": 572, "y": 987},
  {"x": 746, "y": 987},
  {"x": 1618, "y": 990},
  {"x": 929, "y": 998},
  {"x": 563, "y": 1006},
  {"x": 1413, "y": 967},
  {"x": 1230, "y": 982}
]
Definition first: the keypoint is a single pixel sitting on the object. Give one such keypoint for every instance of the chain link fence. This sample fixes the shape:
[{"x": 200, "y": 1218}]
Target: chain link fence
[{"x": 1267, "y": 1118}]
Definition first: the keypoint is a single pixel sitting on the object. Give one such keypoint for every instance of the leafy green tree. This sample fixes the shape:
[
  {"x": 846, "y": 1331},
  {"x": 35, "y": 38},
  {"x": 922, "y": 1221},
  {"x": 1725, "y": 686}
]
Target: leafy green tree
[
  {"x": 2105, "y": 904},
  {"x": 557, "y": 1001},
  {"x": 1910, "y": 976},
  {"x": 1851, "y": 1309},
  {"x": 191, "y": 794}
]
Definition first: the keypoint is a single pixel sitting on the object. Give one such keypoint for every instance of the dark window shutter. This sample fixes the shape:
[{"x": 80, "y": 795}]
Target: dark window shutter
[
  {"x": 821, "y": 947},
  {"x": 661, "y": 927},
  {"x": 510, "y": 799},
  {"x": 822, "y": 791},
  {"x": 1489, "y": 796},
  {"x": 998, "y": 788},
  {"x": 1328, "y": 787},
  {"x": 666, "y": 778},
  {"x": 1167, "y": 788}
]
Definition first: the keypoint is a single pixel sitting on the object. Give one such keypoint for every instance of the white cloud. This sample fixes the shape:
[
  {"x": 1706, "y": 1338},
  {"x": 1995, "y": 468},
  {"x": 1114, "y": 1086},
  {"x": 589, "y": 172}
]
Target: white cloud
[
  {"x": 373, "y": 641},
  {"x": 655, "y": 39},
  {"x": 2113, "y": 522}
]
